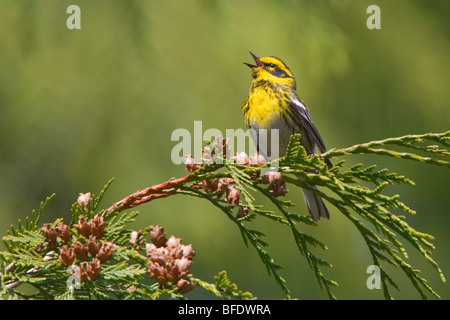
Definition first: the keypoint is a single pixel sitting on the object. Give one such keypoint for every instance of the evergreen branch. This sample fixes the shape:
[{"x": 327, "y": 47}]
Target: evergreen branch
[
  {"x": 249, "y": 236},
  {"x": 408, "y": 141},
  {"x": 223, "y": 288},
  {"x": 116, "y": 262},
  {"x": 302, "y": 241}
]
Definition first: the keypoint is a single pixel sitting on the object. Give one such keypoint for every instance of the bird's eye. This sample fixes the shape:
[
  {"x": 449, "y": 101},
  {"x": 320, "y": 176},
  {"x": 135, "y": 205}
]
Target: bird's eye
[{"x": 271, "y": 65}]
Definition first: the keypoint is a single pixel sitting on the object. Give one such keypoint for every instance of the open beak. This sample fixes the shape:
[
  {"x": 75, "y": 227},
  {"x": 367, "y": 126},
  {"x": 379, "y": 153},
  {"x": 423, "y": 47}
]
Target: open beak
[{"x": 257, "y": 61}]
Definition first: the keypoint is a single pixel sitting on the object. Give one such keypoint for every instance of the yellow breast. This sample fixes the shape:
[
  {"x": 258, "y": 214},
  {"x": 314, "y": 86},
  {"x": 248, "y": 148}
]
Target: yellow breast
[{"x": 263, "y": 108}]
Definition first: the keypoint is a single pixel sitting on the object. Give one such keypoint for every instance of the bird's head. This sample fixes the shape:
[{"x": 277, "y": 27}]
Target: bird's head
[{"x": 272, "y": 70}]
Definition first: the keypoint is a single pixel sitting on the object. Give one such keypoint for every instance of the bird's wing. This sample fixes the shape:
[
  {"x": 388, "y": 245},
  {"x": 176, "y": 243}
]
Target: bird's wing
[{"x": 299, "y": 109}]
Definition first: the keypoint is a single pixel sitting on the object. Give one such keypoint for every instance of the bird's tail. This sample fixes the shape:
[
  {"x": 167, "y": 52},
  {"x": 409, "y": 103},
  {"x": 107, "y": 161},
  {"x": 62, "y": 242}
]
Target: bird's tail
[{"x": 316, "y": 207}]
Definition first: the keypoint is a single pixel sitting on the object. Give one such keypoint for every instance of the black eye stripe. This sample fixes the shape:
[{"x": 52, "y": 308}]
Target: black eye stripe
[
  {"x": 278, "y": 73},
  {"x": 275, "y": 70}
]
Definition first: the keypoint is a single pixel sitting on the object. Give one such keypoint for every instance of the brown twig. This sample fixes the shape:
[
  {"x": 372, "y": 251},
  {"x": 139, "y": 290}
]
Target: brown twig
[{"x": 149, "y": 194}]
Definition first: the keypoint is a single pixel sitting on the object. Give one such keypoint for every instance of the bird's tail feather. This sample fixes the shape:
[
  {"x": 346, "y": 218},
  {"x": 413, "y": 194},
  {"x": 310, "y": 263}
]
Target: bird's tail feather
[{"x": 316, "y": 207}]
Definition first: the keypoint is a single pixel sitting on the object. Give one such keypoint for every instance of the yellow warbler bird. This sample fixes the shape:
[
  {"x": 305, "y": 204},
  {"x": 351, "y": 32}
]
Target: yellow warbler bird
[{"x": 274, "y": 104}]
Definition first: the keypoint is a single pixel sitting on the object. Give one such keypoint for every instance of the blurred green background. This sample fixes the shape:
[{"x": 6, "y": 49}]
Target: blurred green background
[{"x": 81, "y": 106}]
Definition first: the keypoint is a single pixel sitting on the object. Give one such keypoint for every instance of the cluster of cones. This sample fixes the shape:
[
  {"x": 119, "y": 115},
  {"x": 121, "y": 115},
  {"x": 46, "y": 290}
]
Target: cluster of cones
[
  {"x": 170, "y": 260},
  {"x": 225, "y": 185},
  {"x": 89, "y": 250}
]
